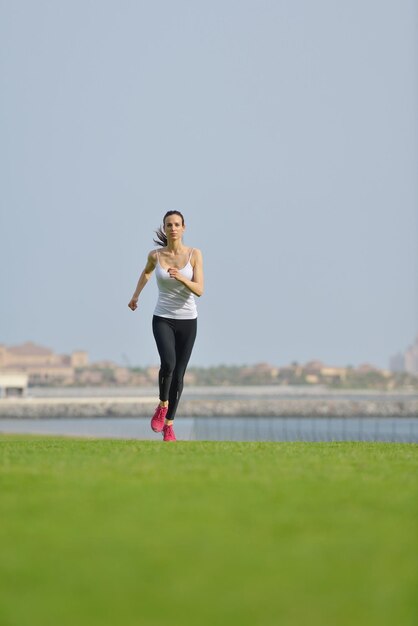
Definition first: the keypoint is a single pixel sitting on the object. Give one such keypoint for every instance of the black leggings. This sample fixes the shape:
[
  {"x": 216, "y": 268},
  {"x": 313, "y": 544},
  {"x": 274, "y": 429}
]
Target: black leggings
[{"x": 175, "y": 340}]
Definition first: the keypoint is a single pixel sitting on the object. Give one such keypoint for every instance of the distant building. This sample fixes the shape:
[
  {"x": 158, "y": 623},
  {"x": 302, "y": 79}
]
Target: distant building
[
  {"x": 316, "y": 371},
  {"x": 41, "y": 364},
  {"x": 13, "y": 384},
  {"x": 79, "y": 359},
  {"x": 314, "y": 367},
  {"x": 333, "y": 374},
  {"x": 407, "y": 361},
  {"x": 397, "y": 362},
  {"x": 411, "y": 358}
]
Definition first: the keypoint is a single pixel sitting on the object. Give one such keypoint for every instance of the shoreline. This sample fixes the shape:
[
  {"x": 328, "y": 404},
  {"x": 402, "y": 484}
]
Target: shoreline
[{"x": 143, "y": 406}]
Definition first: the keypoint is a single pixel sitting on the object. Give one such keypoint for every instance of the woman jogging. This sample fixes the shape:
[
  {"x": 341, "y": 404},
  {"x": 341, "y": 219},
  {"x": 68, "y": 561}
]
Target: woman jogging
[{"x": 179, "y": 273}]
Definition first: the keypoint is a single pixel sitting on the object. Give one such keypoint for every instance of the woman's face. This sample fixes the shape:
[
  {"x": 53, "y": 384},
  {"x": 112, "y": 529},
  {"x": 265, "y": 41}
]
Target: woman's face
[{"x": 173, "y": 227}]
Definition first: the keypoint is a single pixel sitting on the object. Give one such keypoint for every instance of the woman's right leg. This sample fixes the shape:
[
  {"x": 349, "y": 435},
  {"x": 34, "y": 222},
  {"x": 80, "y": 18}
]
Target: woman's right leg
[
  {"x": 165, "y": 340},
  {"x": 166, "y": 345}
]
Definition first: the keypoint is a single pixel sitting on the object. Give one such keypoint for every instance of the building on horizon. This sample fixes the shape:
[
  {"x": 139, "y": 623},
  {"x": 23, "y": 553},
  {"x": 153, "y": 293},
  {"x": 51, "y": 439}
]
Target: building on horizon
[
  {"x": 397, "y": 362},
  {"x": 13, "y": 384},
  {"x": 411, "y": 358},
  {"x": 406, "y": 361},
  {"x": 41, "y": 364}
]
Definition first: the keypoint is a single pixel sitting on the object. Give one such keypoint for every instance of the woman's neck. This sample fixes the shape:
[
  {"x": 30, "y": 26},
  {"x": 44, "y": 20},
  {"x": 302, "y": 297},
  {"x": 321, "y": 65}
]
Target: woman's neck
[{"x": 175, "y": 247}]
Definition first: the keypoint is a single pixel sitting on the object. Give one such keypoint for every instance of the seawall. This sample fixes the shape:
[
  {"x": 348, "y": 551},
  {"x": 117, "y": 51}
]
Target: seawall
[{"x": 38, "y": 408}]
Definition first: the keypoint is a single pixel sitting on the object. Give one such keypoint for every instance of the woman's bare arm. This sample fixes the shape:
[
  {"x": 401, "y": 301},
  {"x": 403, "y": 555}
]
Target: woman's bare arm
[{"x": 143, "y": 279}]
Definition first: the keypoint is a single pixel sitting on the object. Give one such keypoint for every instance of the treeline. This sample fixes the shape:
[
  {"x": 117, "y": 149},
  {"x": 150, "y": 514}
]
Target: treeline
[
  {"x": 343, "y": 378},
  {"x": 314, "y": 373}
]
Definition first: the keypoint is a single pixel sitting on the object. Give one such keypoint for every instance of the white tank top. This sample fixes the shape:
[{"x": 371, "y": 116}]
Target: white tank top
[{"x": 175, "y": 300}]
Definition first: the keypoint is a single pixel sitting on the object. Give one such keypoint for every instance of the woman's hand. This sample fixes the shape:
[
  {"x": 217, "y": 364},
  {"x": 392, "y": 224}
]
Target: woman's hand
[
  {"x": 175, "y": 273},
  {"x": 133, "y": 304}
]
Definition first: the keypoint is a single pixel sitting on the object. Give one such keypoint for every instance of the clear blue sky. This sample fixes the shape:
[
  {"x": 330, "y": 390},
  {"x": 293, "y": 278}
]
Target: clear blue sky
[{"x": 287, "y": 134}]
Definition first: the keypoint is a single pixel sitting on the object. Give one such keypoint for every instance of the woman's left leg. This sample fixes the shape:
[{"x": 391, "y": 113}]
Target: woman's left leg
[{"x": 185, "y": 335}]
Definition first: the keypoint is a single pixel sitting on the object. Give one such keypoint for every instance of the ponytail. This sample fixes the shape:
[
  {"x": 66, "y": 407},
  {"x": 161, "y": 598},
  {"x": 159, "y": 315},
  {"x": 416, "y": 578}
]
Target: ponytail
[
  {"x": 161, "y": 236},
  {"x": 162, "y": 239}
]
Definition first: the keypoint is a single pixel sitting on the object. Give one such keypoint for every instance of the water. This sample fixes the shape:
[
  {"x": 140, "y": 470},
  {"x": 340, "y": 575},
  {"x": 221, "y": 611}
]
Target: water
[
  {"x": 395, "y": 429},
  {"x": 116, "y": 427},
  {"x": 391, "y": 429}
]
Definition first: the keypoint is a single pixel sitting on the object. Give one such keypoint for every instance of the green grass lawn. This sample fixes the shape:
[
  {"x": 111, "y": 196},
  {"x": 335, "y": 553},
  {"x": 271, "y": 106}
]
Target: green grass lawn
[{"x": 111, "y": 532}]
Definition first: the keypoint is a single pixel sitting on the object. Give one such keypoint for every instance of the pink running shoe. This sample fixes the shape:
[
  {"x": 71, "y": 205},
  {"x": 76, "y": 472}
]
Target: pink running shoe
[
  {"x": 157, "y": 421},
  {"x": 168, "y": 433}
]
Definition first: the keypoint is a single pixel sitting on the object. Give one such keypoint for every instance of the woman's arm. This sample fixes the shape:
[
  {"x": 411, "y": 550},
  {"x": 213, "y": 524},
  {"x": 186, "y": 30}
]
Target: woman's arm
[
  {"x": 196, "y": 284},
  {"x": 143, "y": 279}
]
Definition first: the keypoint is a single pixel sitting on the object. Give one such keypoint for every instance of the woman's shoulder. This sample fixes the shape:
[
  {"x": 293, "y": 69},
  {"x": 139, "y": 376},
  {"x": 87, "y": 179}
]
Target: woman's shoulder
[
  {"x": 195, "y": 254},
  {"x": 153, "y": 256}
]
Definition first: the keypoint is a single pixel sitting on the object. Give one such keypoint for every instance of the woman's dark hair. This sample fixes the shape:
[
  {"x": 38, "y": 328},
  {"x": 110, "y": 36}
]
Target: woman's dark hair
[{"x": 162, "y": 238}]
